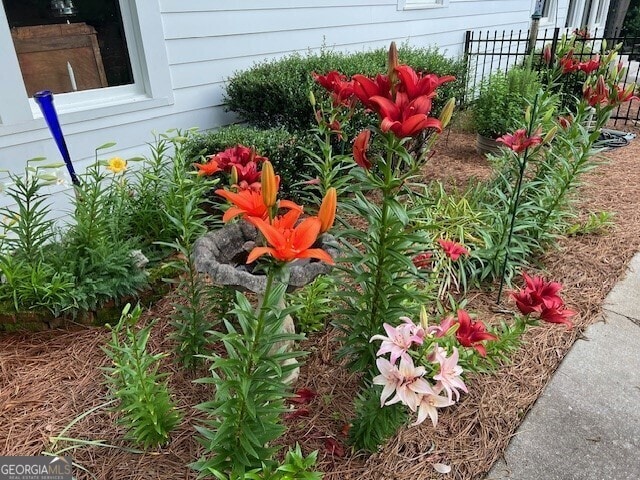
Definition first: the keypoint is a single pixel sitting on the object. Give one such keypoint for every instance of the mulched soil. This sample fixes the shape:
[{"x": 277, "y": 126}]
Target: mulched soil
[{"x": 49, "y": 378}]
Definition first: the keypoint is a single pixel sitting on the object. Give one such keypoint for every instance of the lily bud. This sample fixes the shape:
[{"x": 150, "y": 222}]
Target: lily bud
[
  {"x": 424, "y": 318},
  {"x": 447, "y": 112},
  {"x": 546, "y": 54},
  {"x": 527, "y": 115},
  {"x": 547, "y": 115},
  {"x": 550, "y": 135},
  {"x": 312, "y": 99},
  {"x": 392, "y": 63},
  {"x": 327, "y": 212},
  {"x": 269, "y": 185},
  {"x": 234, "y": 175}
]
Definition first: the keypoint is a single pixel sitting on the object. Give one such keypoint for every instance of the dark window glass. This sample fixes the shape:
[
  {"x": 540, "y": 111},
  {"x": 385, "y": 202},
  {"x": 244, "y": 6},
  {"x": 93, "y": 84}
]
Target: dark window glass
[{"x": 69, "y": 45}]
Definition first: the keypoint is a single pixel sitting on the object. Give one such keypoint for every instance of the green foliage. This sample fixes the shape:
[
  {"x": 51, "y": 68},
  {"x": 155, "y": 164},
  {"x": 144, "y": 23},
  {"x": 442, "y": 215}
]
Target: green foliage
[
  {"x": 244, "y": 417},
  {"x": 315, "y": 302},
  {"x": 184, "y": 211},
  {"x": 281, "y": 147},
  {"x": 147, "y": 411},
  {"x": 595, "y": 223},
  {"x": 373, "y": 425},
  {"x": 276, "y": 92},
  {"x": 501, "y": 99}
]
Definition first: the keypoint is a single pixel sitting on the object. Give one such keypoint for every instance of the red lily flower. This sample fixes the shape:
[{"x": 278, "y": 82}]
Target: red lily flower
[
  {"x": 622, "y": 95},
  {"x": 568, "y": 63},
  {"x": 546, "y": 55},
  {"x": 403, "y": 117},
  {"x": 471, "y": 334},
  {"x": 207, "y": 169},
  {"x": 519, "y": 141},
  {"x": 288, "y": 244},
  {"x": 304, "y": 396},
  {"x": 536, "y": 294},
  {"x": 598, "y": 95},
  {"x": 452, "y": 249},
  {"x": 249, "y": 203},
  {"x": 555, "y": 312},
  {"x": 238, "y": 155},
  {"x": 415, "y": 85},
  {"x": 590, "y": 66},
  {"x": 360, "y": 147},
  {"x": 364, "y": 88},
  {"x": 336, "y": 83},
  {"x": 248, "y": 173},
  {"x": 565, "y": 121}
]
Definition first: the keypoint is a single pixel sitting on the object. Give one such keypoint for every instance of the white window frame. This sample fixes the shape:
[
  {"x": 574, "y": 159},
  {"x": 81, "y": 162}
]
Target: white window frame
[
  {"x": 552, "y": 12},
  {"x": 421, "y": 4},
  {"x": 152, "y": 80},
  {"x": 574, "y": 11}
]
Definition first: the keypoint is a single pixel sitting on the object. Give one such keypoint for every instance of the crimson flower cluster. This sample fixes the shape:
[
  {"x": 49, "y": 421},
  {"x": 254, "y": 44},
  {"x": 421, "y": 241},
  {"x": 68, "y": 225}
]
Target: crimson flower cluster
[
  {"x": 541, "y": 297},
  {"x": 243, "y": 160},
  {"x": 402, "y": 102},
  {"x": 602, "y": 95},
  {"x": 570, "y": 64}
]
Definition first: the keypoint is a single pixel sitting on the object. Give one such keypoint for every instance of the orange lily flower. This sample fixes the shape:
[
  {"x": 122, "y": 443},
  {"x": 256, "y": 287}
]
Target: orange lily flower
[
  {"x": 209, "y": 168},
  {"x": 327, "y": 212},
  {"x": 248, "y": 203},
  {"x": 288, "y": 244}
]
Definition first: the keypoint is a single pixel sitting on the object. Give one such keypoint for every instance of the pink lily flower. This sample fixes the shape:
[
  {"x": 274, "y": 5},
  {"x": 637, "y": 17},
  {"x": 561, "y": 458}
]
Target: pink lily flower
[
  {"x": 449, "y": 375},
  {"x": 406, "y": 380},
  {"x": 399, "y": 339},
  {"x": 428, "y": 404}
]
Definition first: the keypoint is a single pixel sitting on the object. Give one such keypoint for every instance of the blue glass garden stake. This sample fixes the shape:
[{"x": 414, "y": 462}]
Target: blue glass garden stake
[{"x": 45, "y": 102}]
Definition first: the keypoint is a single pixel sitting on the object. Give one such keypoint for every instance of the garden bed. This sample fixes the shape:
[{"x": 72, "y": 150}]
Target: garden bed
[{"x": 49, "y": 378}]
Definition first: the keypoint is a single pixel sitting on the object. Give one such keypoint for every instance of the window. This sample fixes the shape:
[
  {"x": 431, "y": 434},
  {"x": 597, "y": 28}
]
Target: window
[
  {"x": 91, "y": 53},
  {"x": 601, "y": 12},
  {"x": 415, "y": 4},
  {"x": 64, "y": 46},
  {"x": 549, "y": 11},
  {"x": 572, "y": 14}
]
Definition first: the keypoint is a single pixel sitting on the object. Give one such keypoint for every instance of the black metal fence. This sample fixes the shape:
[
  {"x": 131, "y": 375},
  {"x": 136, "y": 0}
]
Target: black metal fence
[{"x": 487, "y": 52}]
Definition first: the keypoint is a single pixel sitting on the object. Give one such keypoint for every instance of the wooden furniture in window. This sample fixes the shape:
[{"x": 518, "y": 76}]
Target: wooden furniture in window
[{"x": 44, "y": 51}]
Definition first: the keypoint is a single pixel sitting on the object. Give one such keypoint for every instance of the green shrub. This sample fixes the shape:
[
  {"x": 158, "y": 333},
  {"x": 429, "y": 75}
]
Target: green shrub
[
  {"x": 277, "y": 144},
  {"x": 501, "y": 100},
  {"x": 276, "y": 92}
]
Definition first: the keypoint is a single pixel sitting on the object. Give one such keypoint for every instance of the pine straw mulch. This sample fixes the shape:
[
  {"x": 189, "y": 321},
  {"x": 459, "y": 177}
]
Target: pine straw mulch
[{"x": 49, "y": 378}]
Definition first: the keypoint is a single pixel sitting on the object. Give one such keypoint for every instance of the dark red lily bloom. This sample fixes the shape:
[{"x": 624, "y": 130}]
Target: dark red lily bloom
[
  {"x": 591, "y": 66},
  {"x": 556, "y": 312},
  {"x": 364, "y": 88},
  {"x": 472, "y": 334},
  {"x": 336, "y": 83},
  {"x": 422, "y": 260},
  {"x": 360, "y": 147},
  {"x": 519, "y": 141},
  {"x": 415, "y": 85},
  {"x": 568, "y": 63},
  {"x": 536, "y": 293},
  {"x": 238, "y": 155},
  {"x": 622, "y": 95},
  {"x": 248, "y": 173},
  {"x": 598, "y": 95},
  {"x": 404, "y": 117},
  {"x": 297, "y": 413},
  {"x": 565, "y": 122},
  {"x": 452, "y": 249}
]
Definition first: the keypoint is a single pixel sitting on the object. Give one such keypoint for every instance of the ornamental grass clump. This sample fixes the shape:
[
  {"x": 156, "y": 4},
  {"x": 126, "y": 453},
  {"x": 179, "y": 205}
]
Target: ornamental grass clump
[{"x": 245, "y": 417}]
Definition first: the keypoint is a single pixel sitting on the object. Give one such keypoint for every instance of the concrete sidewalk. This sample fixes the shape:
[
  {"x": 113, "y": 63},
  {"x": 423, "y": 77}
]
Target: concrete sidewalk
[{"x": 586, "y": 424}]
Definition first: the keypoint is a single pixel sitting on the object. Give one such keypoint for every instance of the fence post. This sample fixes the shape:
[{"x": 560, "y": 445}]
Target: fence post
[{"x": 535, "y": 22}]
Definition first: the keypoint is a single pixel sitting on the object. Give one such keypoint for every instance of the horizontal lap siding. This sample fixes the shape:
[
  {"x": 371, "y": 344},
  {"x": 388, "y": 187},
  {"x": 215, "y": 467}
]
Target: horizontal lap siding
[{"x": 207, "y": 41}]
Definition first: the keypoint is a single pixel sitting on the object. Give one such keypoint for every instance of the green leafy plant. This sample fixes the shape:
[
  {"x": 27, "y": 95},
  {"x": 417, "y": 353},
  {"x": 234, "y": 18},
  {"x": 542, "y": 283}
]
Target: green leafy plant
[
  {"x": 595, "y": 223},
  {"x": 315, "y": 303},
  {"x": 147, "y": 411}
]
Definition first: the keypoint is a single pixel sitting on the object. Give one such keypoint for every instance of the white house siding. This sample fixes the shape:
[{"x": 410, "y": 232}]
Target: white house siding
[{"x": 207, "y": 40}]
